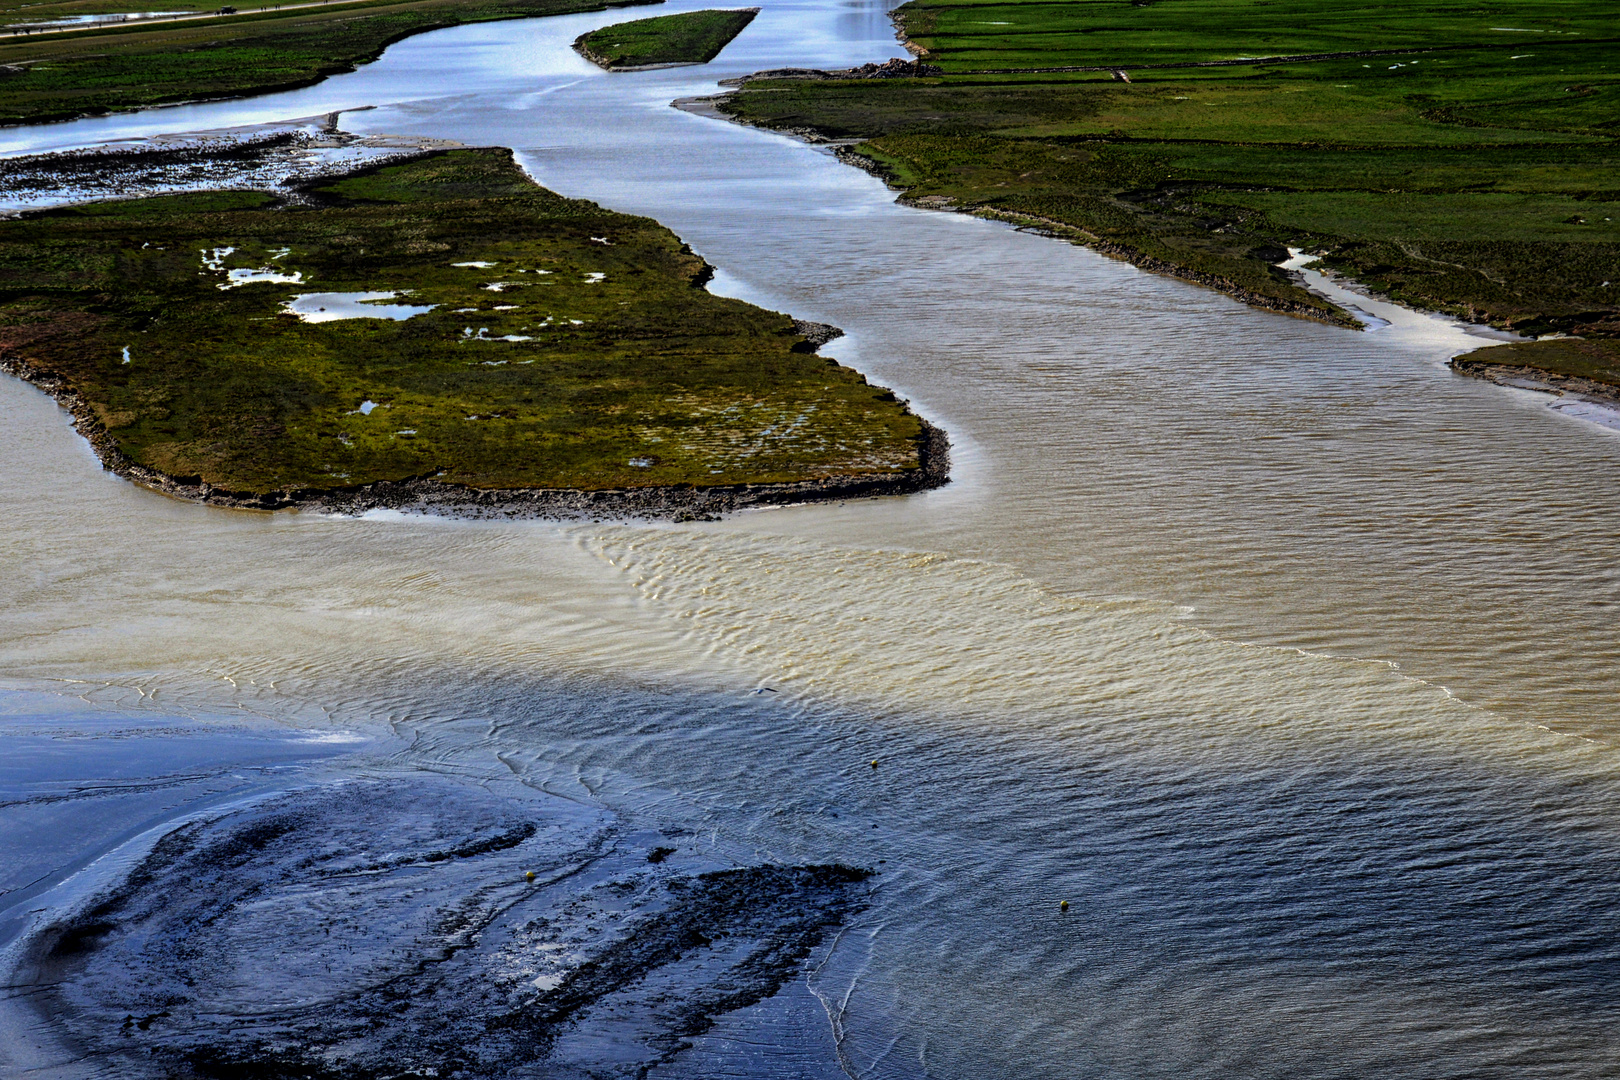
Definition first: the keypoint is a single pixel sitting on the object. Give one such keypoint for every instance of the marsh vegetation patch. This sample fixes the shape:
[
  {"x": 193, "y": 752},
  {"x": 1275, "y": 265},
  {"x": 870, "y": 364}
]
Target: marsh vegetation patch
[{"x": 599, "y": 349}]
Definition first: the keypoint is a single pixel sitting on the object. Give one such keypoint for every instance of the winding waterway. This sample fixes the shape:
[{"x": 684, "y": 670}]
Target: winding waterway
[{"x": 1283, "y": 654}]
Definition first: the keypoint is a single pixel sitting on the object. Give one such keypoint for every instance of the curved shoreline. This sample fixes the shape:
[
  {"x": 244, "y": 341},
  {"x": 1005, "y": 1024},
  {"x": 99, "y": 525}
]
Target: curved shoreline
[
  {"x": 1525, "y": 377},
  {"x": 425, "y": 495},
  {"x": 1056, "y": 230},
  {"x": 322, "y": 74}
]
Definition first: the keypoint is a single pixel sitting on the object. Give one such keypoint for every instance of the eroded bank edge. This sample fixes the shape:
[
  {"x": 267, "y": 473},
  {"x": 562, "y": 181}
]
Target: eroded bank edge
[
  {"x": 1525, "y": 377},
  {"x": 426, "y": 495}
]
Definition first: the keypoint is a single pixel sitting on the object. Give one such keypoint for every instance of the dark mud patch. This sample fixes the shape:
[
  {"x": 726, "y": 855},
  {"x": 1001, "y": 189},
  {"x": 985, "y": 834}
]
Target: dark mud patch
[
  {"x": 390, "y": 927},
  {"x": 274, "y": 158},
  {"x": 125, "y": 170}
]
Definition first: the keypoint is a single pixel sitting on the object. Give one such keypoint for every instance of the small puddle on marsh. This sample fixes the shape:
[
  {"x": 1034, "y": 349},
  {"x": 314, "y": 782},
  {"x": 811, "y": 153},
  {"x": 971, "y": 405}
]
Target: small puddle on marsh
[
  {"x": 483, "y": 335},
  {"x": 249, "y": 275},
  {"x": 329, "y": 307},
  {"x": 233, "y": 278}
]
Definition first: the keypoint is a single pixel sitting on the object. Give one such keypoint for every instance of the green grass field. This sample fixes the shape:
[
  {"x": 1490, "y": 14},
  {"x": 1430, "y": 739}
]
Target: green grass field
[
  {"x": 964, "y": 36},
  {"x": 59, "y": 76},
  {"x": 1465, "y": 160},
  {"x": 692, "y": 37},
  {"x": 583, "y": 355}
]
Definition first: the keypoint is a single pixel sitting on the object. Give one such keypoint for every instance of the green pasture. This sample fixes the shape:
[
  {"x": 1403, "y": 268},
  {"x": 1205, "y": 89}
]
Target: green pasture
[{"x": 962, "y": 36}]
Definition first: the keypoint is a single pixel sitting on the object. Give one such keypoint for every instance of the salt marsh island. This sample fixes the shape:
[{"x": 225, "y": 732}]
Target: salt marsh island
[
  {"x": 692, "y": 37},
  {"x": 440, "y": 333}
]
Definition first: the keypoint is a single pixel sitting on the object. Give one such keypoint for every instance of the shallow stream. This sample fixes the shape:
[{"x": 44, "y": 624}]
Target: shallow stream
[{"x": 1284, "y": 655}]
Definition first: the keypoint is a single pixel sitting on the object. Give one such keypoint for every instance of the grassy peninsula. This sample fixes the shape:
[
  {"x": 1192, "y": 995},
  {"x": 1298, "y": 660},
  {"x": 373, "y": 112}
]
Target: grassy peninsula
[
  {"x": 59, "y": 75},
  {"x": 553, "y": 344},
  {"x": 693, "y": 37},
  {"x": 1459, "y": 159}
]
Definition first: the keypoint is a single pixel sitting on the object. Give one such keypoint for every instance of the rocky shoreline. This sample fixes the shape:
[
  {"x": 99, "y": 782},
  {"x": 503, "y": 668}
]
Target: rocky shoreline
[{"x": 426, "y": 495}]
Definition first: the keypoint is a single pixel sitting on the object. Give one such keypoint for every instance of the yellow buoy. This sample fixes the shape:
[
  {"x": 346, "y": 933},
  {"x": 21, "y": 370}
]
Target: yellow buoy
[
  {"x": 529, "y": 876},
  {"x": 874, "y": 763},
  {"x": 1064, "y": 906}
]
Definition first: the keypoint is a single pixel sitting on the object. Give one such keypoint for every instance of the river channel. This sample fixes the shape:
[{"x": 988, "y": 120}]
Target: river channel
[{"x": 1283, "y": 654}]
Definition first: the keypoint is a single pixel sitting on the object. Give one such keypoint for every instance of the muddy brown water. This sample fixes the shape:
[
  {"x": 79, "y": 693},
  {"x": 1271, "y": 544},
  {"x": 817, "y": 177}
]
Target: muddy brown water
[{"x": 1285, "y": 655}]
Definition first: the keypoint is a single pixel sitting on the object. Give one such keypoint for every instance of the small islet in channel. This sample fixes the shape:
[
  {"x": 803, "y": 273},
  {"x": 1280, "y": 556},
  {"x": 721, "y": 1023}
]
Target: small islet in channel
[{"x": 515, "y": 637}]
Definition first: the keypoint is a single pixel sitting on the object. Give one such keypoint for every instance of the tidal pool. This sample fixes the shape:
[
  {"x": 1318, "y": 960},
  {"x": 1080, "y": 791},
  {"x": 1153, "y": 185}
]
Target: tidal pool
[{"x": 332, "y": 306}]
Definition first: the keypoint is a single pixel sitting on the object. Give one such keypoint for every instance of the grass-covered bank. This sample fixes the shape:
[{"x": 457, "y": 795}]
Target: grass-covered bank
[
  {"x": 1463, "y": 161},
  {"x": 692, "y": 37},
  {"x": 562, "y": 345},
  {"x": 140, "y": 64}
]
